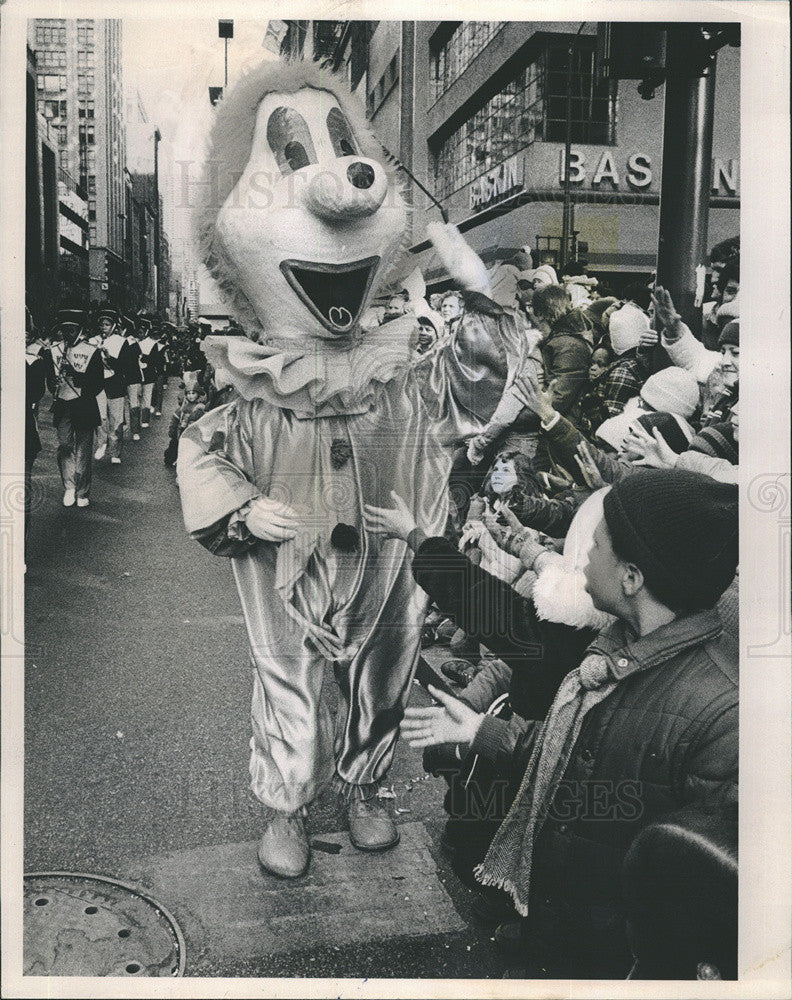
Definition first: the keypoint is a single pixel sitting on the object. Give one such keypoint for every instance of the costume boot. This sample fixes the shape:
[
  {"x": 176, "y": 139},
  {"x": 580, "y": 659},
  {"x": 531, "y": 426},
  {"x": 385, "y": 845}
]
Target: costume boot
[
  {"x": 371, "y": 826},
  {"x": 283, "y": 849}
]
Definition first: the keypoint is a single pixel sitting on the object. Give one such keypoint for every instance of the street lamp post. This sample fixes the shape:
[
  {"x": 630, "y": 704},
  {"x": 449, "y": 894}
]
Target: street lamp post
[
  {"x": 157, "y": 140},
  {"x": 226, "y": 31},
  {"x": 567, "y": 219}
]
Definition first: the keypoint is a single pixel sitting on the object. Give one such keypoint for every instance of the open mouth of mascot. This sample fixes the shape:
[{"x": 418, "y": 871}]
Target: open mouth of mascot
[{"x": 335, "y": 293}]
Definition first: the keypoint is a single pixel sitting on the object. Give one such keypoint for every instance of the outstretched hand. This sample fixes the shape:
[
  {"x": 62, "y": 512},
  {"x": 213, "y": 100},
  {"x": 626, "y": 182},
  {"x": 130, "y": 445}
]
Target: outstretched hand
[
  {"x": 451, "y": 722},
  {"x": 527, "y": 390},
  {"x": 588, "y": 467},
  {"x": 656, "y": 452},
  {"x": 391, "y": 522},
  {"x": 666, "y": 316}
]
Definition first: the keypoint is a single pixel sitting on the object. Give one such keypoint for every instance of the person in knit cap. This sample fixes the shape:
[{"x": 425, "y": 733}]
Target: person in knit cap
[
  {"x": 649, "y": 718},
  {"x": 539, "y": 621},
  {"x": 671, "y": 390},
  {"x": 625, "y": 376},
  {"x": 711, "y": 455}
]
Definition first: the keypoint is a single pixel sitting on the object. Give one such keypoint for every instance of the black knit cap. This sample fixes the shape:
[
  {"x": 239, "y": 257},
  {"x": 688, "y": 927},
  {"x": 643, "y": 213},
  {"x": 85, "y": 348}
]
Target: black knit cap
[
  {"x": 730, "y": 334},
  {"x": 680, "y": 529},
  {"x": 717, "y": 440}
]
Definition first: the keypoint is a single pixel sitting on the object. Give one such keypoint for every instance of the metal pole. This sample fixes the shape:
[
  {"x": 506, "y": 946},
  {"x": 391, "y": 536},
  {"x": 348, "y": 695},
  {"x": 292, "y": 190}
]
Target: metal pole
[
  {"x": 157, "y": 138},
  {"x": 226, "y": 64},
  {"x": 566, "y": 221},
  {"x": 687, "y": 168}
]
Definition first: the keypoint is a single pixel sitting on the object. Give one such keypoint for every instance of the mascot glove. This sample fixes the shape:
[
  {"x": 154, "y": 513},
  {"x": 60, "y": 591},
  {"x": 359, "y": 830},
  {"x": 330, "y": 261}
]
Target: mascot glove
[
  {"x": 462, "y": 262},
  {"x": 271, "y": 520}
]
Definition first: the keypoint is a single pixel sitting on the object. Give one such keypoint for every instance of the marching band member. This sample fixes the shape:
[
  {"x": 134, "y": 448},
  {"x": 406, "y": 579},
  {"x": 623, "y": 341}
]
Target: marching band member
[
  {"x": 76, "y": 380},
  {"x": 116, "y": 360}
]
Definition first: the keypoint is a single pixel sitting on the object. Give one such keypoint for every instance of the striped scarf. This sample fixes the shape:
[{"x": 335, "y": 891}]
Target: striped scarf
[{"x": 508, "y": 862}]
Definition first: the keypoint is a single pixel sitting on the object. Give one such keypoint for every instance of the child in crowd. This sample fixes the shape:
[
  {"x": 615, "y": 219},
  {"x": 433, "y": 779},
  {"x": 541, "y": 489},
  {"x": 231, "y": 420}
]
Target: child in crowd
[{"x": 190, "y": 409}]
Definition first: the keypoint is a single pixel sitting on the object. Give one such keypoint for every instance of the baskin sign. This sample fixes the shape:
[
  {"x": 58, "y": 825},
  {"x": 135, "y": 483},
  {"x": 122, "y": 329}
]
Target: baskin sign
[
  {"x": 637, "y": 172},
  {"x": 498, "y": 184}
]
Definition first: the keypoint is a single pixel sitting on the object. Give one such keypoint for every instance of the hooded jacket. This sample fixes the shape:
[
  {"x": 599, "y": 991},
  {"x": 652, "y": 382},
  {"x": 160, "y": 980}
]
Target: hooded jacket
[{"x": 566, "y": 353}]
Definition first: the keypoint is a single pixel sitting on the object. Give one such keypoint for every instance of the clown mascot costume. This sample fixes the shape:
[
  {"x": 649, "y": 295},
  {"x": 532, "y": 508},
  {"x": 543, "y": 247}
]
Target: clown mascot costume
[{"x": 302, "y": 222}]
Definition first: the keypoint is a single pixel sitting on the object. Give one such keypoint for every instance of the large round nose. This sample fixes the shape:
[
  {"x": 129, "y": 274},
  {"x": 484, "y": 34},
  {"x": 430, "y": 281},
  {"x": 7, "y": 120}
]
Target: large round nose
[
  {"x": 346, "y": 190},
  {"x": 360, "y": 175}
]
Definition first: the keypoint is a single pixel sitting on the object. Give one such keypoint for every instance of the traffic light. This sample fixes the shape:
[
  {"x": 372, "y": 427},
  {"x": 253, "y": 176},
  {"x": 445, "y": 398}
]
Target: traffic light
[{"x": 215, "y": 95}]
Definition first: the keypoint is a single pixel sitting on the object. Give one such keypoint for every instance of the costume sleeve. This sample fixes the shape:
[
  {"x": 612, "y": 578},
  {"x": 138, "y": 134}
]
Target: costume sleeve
[
  {"x": 719, "y": 469},
  {"x": 470, "y": 372},
  {"x": 214, "y": 467},
  {"x": 692, "y": 355}
]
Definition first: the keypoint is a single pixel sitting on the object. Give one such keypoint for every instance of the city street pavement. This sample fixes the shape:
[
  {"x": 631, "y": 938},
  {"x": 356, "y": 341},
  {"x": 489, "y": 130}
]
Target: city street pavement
[{"x": 136, "y": 752}]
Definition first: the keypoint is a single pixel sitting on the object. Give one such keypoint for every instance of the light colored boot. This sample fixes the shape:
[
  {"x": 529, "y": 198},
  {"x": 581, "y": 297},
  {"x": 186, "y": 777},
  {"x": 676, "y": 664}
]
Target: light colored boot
[
  {"x": 371, "y": 826},
  {"x": 283, "y": 849}
]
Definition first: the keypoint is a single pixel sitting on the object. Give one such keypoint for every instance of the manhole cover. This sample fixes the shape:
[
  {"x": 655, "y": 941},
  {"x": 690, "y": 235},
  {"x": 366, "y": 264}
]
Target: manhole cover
[{"x": 86, "y": 925}]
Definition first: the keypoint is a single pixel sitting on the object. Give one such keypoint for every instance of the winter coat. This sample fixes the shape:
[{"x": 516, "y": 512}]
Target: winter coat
[
  {"x": 665, "y": 738},
  {"x": 566, "y": 353},
  {"x": 539, "y": 651}
]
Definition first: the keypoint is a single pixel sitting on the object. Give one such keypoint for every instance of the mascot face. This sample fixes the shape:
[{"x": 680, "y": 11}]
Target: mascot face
[{"x": 312, "y": 224}]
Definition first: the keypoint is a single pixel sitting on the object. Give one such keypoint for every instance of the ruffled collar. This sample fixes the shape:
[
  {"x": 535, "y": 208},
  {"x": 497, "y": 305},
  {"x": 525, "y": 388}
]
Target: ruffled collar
[{"x": 314, "y": 377}]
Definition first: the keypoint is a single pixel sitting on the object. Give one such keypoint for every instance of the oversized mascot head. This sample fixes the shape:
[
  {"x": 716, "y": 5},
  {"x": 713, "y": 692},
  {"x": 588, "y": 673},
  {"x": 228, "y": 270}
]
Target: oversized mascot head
[{"x": 302, "y": 216}]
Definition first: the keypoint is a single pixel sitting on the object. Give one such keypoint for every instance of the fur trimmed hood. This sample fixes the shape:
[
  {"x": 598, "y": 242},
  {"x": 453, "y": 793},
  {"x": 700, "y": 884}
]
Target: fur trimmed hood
[{"x": 559, "y": 593}]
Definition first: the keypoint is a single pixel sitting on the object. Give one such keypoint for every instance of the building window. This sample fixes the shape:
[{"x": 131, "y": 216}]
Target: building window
[
  {"x": 454, "y": 57},
  {"x": 63, "y": 158},
  {"x": 91, "y": 184},
  {"x": 51, "y": 82},
  {"x": 85, "y": 82},
  {"x": 384, "y": 85},
  {"x": 531, "y": 108},
  {"x": 63, "y": 135},
  {"x": 52, "y": 33},
  {"x": 63, "y": 109},
  {"x": 92, "y": 232},
  {"x": 508, "y": 122},
  {"x": 50, "y": 59},
  {"x": 85, "y": 34},
  {"x": 592, "y": 104}
]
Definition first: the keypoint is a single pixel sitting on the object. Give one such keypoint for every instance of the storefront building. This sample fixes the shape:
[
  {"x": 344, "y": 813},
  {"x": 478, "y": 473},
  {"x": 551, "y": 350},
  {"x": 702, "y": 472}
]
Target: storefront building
[{"x": 477, "y": 111}]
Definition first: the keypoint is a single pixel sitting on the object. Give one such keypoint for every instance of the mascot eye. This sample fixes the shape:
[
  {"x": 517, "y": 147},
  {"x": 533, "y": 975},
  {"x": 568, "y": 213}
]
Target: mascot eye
[
  {"x": 290, "y": 140},
  {"x": 341, "y": 134}
]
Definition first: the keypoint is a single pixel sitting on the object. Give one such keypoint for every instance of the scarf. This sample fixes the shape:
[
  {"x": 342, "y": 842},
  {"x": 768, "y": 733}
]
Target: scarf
[{"x": 508, "y": 861}]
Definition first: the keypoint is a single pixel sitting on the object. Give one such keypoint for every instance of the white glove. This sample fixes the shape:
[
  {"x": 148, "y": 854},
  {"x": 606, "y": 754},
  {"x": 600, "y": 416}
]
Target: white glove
[
  {"x": 271, "y": 520},
  {"x": 462, "y": 262}
]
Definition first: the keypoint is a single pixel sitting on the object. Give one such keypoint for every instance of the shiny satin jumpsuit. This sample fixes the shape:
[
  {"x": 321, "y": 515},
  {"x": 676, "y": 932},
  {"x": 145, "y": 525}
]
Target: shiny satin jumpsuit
[{"x": 350, "y": 602}]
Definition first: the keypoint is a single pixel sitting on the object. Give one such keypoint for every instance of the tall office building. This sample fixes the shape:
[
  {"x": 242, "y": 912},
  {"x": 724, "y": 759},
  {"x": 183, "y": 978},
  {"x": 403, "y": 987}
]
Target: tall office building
[{"x": 79, "y": 89}]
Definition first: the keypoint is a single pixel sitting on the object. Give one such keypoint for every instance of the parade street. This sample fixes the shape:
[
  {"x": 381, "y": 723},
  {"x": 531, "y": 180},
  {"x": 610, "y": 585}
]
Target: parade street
[{"x": 136, "y": 753}]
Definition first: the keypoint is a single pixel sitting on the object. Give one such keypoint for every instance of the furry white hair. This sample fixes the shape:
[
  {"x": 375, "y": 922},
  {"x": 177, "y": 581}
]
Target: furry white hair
[{"x": 228, "y": 150}]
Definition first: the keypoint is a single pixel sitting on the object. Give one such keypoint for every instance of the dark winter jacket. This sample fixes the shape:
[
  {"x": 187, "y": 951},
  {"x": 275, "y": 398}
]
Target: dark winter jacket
[
  {"x": 540, "y": 653},
  {"x": 665, "y": 738},
  {"x": 566, "y": 353}
]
